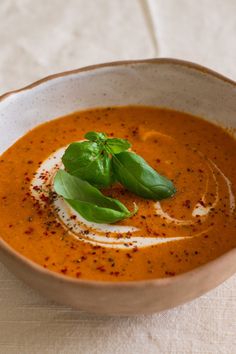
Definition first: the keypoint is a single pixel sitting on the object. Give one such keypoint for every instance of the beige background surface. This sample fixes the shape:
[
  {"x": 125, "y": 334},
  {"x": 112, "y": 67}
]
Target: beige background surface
[{"x": 39, "y": 38}]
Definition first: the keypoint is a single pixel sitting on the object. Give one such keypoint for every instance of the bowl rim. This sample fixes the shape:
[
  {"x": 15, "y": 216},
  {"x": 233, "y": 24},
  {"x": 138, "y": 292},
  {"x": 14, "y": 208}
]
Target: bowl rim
[
  {"x": 157, "y": 61},
  {"x": 13, "y": 254}
]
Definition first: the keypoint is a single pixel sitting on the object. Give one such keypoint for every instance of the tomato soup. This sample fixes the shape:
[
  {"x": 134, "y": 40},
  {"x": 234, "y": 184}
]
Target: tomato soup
[{"x": 164, "y": 238}]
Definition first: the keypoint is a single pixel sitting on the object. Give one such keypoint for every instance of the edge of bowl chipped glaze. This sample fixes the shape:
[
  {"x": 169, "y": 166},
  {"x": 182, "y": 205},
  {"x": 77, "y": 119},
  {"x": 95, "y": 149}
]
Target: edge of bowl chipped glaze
[{"x": 11, "y": 258}]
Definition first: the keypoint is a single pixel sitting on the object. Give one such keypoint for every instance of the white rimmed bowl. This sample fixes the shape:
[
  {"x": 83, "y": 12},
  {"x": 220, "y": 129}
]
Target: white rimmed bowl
[{"x": 168, "y": 83}]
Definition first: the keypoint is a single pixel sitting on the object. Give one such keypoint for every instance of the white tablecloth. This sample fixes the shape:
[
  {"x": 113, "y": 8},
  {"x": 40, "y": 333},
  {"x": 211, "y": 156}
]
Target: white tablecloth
[{"x": 38, "y": 38}]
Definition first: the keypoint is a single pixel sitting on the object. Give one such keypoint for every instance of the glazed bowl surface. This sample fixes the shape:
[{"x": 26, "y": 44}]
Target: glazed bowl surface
[{"x": 169, "y": 83}]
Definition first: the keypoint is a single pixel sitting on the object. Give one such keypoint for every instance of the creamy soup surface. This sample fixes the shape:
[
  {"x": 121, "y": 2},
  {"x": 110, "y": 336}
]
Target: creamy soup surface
[{"x": 164, "y": 238}]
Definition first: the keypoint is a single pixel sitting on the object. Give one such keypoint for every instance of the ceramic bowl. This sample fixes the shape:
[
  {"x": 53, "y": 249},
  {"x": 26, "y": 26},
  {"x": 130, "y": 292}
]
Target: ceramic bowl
[{"x": 160, "y": 82}]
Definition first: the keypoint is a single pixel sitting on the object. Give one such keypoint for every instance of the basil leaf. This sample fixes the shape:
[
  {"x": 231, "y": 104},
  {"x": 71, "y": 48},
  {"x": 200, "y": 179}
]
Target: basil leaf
[
  {"x": 88, "y": 201},
  {"x": 115, "y": 146},
  {"x": 90, "y": 162},
  {"x": 94, "y": 136},
  {"x": 137, "y": 176},
  {"x": 80, "y": 153}
]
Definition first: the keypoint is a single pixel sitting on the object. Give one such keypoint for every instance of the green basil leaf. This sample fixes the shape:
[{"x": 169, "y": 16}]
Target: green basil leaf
[
  {"x": 88, "y": 201},
  {"x": 94, "y": 136},
  {"x": 115, "y": 146},
  {"x": 80, "y": 153},
  {"x": 90, "y": 162},
  {"x": 137, "y": 176}
]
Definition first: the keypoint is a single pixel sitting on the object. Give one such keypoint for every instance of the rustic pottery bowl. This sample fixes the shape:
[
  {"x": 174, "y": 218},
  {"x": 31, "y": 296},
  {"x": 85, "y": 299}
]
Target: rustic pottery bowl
[{"x": 160, "y": 82}]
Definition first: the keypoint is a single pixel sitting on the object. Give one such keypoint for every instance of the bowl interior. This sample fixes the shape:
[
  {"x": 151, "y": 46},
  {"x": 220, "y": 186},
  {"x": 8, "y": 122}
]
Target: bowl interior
[{"x": 168, "y": 84}]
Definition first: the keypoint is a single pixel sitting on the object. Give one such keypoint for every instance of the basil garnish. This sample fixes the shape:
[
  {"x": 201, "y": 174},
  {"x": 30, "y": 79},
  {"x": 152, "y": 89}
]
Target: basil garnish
[
  {"x": 94, "y": 136},
  {"x": 99, "y": 162},
  {"x": 115, "y": 146},
  {"x": 88, "y": 201},
  {"x": 133, "y": 172},
  {"x": 89, "y": 161}
]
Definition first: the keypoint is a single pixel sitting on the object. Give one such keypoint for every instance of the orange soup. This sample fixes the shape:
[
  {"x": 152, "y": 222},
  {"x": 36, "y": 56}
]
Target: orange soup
[{"x": 164, "y": 238}]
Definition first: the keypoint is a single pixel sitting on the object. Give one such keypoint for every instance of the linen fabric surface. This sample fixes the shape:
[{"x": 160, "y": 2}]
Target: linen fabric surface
[{"x": 39, "y": 38}]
